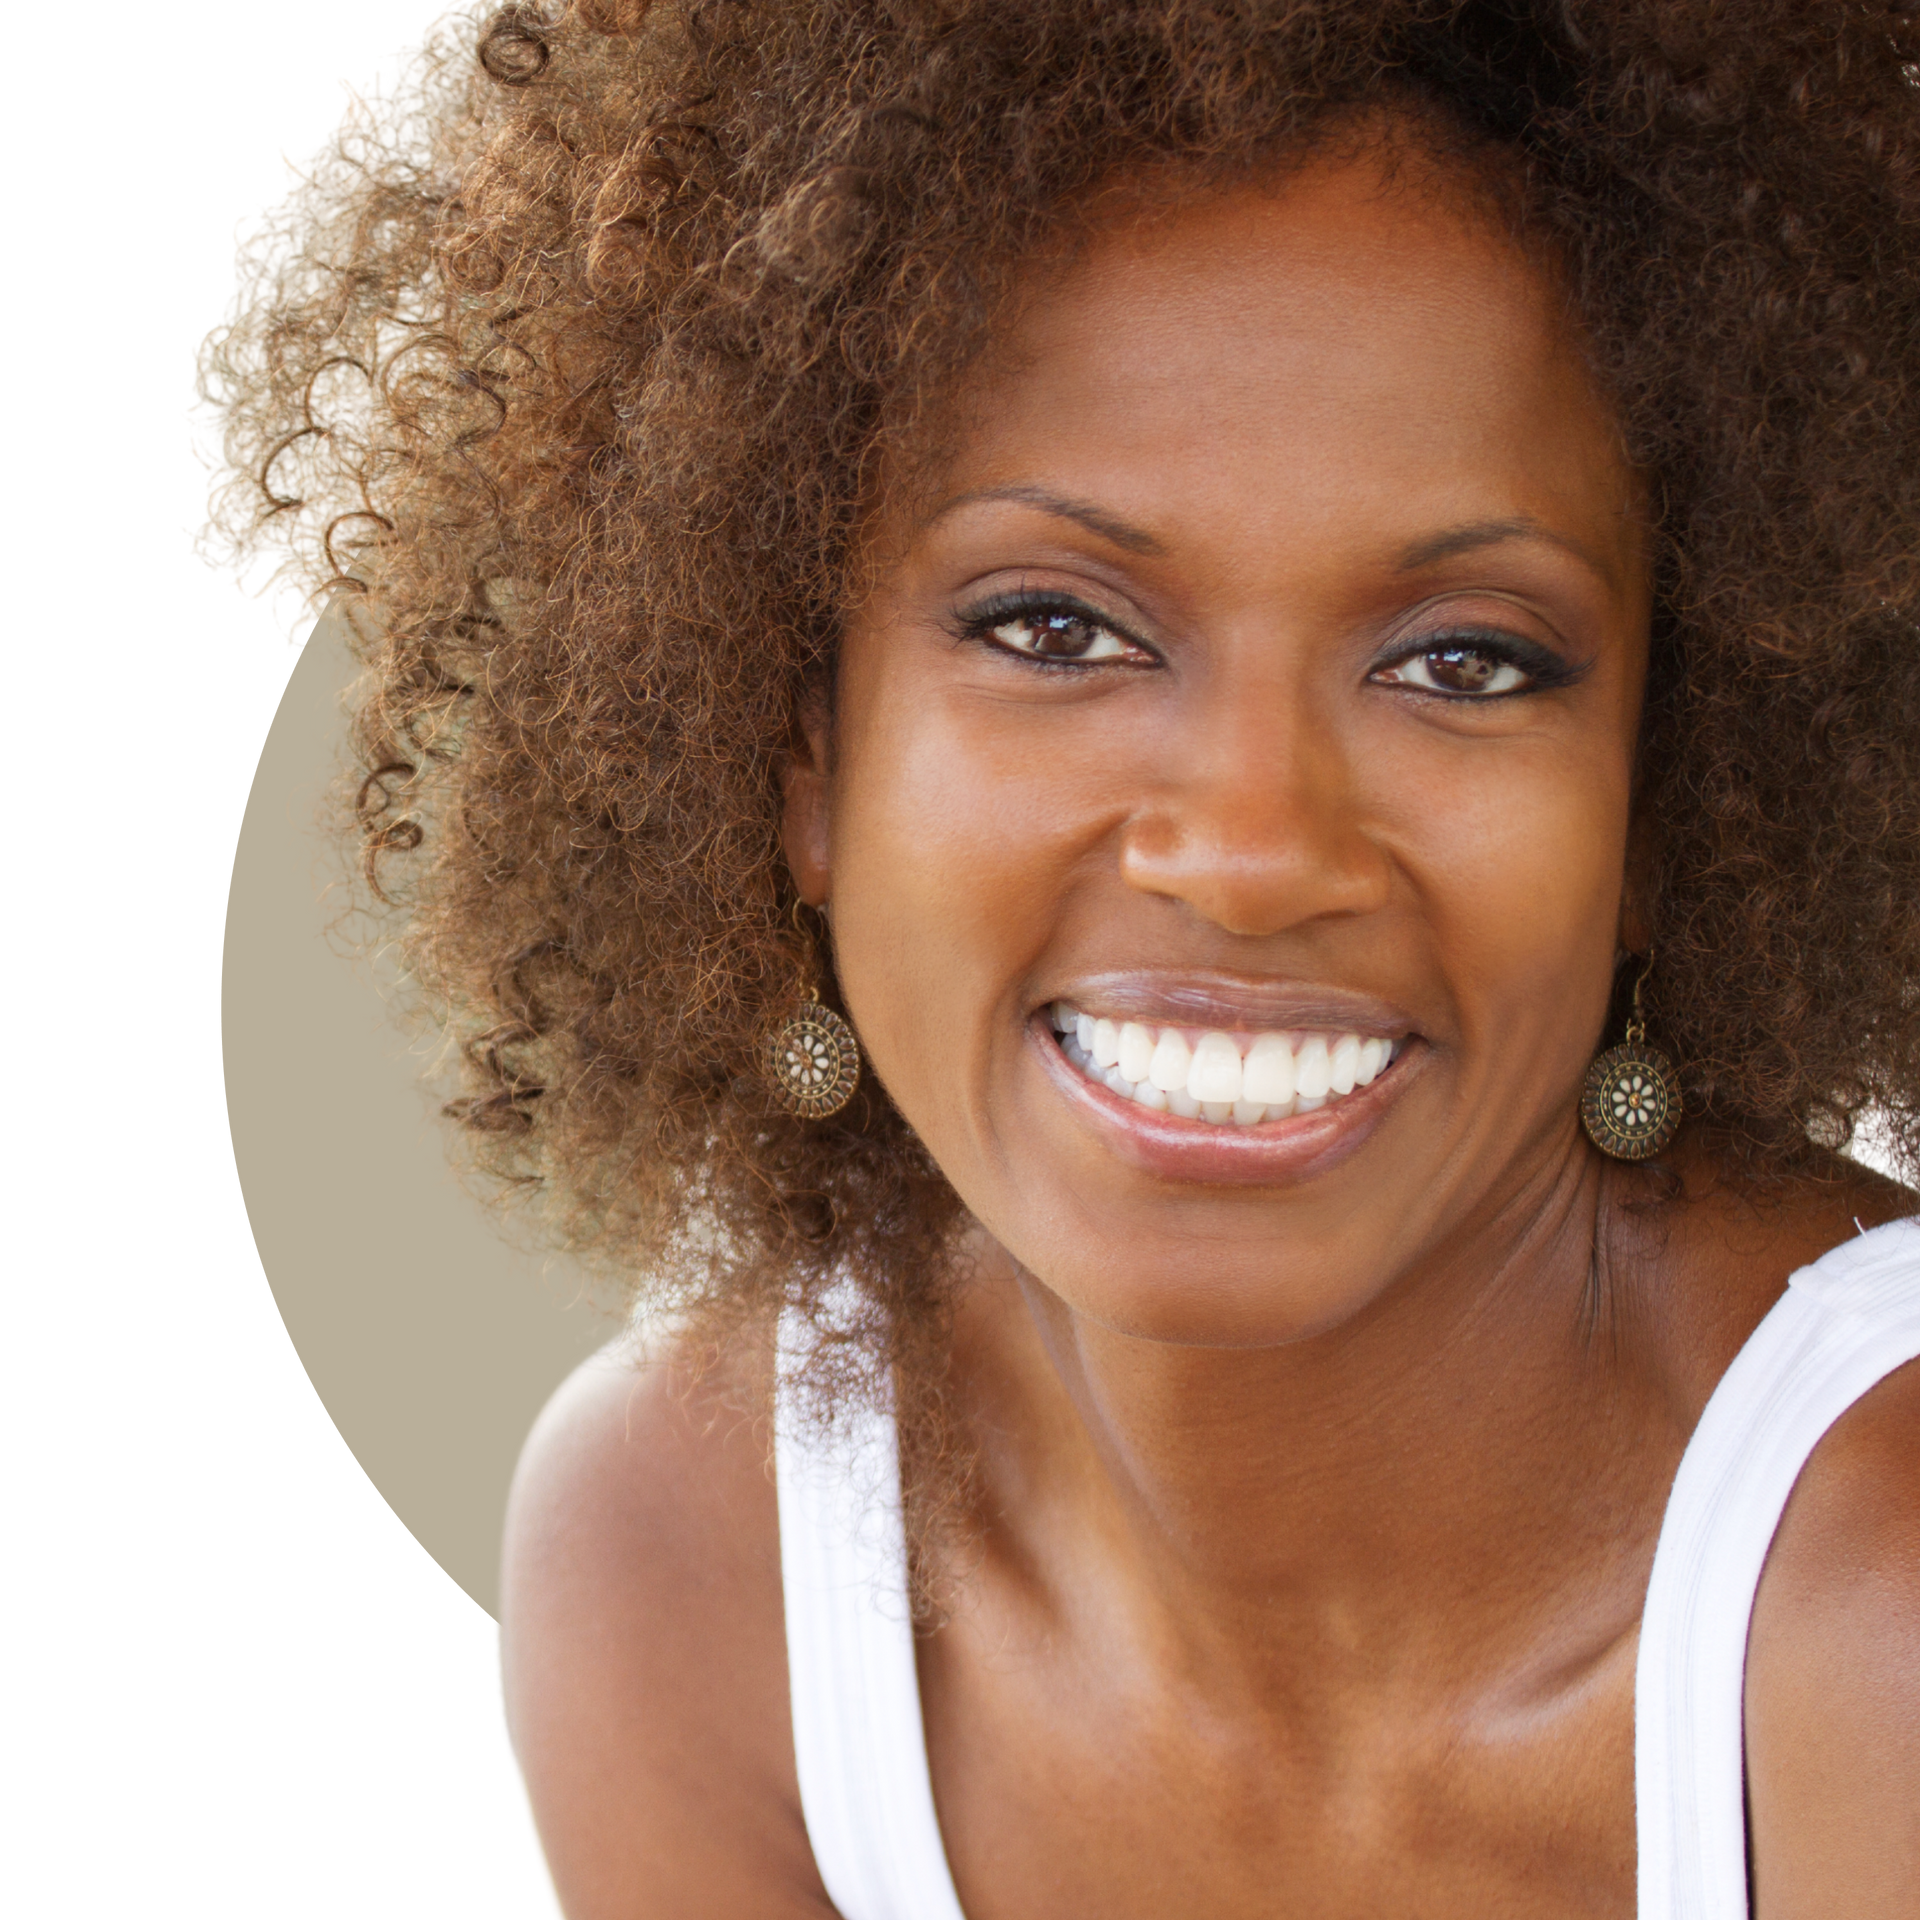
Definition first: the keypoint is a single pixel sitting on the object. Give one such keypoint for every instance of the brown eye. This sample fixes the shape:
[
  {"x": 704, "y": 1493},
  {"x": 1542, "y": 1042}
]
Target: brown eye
[
  {"x": 1457, "y": 670},
  {"x": 1060, "y": 635}
]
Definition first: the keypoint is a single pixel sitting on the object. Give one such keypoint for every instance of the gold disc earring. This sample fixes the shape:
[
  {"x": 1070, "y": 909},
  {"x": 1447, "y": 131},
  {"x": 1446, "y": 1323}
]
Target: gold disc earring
[
  {"x": 812, "y": 1058},
  {"x": 1630, "y": 1105}
]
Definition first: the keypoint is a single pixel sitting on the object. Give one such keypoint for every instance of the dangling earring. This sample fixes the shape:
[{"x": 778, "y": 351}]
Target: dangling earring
[
  {"x": 812, "y": 1058},
  {"x": 1630, "y": 1105}
]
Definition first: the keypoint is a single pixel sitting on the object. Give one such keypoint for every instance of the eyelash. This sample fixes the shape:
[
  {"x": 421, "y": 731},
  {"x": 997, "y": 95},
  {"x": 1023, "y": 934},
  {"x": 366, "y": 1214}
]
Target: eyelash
[
  {"x": 1544, "y": 670},
  {"x": 980, "y": 624}
]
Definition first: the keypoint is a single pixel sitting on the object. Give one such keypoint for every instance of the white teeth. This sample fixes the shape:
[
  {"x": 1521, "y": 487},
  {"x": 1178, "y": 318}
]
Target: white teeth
[
  {"x": 1171, "y": 1059},
  {"x": 1213, "y": 1075},
  {"x": 1344, "y": 1065},
  {"x": 1136, "y": 1051},
  {"x": 1210, "y": 1079},
  {"x": 1269, "y": 1071},
  {"x": 1312, "y": 1068}
]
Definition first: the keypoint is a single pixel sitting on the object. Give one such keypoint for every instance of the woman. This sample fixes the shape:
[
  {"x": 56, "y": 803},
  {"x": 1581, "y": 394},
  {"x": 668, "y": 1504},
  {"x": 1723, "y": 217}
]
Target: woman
[{"x": 1250, "y": 592}]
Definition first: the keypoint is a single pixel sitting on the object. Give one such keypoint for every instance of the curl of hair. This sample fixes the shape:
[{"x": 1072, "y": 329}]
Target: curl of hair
[{"x": 575, "y": 368}]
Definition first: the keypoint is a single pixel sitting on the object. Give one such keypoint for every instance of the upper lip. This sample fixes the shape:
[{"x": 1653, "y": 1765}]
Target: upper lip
[{"x": 1228, "y": 1002}]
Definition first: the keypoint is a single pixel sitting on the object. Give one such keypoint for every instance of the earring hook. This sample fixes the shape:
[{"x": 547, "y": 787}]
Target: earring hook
[
  {"x": 809, "y": 950},
  {"x": 1636, "y": 1020}
]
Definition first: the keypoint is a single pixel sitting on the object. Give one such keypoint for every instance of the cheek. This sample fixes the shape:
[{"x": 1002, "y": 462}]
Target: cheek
[
  {"x": 1516, "y": 855},
  {"x": 959, "y": 827}
]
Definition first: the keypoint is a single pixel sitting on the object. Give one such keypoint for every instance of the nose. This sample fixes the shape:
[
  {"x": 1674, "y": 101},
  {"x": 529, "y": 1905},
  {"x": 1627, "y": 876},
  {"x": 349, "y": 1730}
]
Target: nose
[{"x": 1258, "y": 823}]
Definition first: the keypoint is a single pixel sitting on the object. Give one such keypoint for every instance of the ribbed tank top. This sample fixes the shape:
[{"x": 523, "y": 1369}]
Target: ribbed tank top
[{"x": 1843, "y": 1324}]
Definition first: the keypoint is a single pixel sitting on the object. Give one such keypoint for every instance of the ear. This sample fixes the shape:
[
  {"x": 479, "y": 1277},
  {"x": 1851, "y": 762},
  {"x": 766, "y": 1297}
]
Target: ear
[{"x": 805, "y": 779}]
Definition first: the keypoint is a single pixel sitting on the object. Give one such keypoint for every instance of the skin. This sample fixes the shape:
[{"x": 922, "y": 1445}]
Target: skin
[{"x": 1319, "y": 1476}]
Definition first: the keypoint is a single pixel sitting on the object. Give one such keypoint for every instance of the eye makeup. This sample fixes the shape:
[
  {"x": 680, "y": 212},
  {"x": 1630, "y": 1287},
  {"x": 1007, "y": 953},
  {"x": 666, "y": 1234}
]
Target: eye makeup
[
  {"x": 1050, "y": 628},
  {"x": 1474, "y": 663}
]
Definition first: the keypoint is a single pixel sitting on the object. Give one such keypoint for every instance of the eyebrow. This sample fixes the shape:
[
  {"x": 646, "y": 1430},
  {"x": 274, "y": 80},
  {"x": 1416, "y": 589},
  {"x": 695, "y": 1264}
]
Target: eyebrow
[
  {"x": 1428, "y": 552},
  {"x": 1475, "y": 534},
  {"x": 1082, "y": 513}
]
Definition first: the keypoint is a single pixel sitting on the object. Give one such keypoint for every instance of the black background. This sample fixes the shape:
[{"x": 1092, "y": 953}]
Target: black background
[{"x": 327, "y": 1692}]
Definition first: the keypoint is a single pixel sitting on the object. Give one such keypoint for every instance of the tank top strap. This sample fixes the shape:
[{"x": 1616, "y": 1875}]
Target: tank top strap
[
  {"x": 858, "y": 1741},
  {"x": 1843, "y": 1324}
]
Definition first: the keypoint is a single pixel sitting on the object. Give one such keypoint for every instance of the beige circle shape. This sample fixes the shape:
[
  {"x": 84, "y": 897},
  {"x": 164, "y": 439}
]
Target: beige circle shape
[{"x": 430, "y": 1339}]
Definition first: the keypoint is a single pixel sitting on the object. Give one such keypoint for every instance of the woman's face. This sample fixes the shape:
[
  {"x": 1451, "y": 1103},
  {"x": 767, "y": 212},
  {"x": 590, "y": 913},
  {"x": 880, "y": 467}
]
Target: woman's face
[{"x": 1268, "y": 666}]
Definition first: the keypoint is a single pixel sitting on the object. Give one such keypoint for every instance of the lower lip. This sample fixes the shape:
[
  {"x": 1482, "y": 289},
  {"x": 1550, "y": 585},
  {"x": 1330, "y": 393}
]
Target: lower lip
[{"x": 1273, "y": 1152}]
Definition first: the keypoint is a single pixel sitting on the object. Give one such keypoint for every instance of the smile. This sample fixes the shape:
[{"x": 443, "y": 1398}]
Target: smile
[{"x": 1229, "y": 1079}]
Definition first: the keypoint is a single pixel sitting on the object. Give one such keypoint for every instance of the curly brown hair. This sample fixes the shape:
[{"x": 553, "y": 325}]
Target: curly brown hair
[{"x": 576, "y": 368}]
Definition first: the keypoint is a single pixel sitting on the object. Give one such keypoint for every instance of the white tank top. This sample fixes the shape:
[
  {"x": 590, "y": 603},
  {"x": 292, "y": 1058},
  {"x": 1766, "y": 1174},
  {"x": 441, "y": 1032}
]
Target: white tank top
[{"x": 1842, "y": 1325}]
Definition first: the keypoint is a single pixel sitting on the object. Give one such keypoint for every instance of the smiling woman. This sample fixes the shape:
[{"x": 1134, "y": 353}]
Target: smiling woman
[
  {"x": 1267, "y": 684},
  {"x": 1241, "y": 590}
]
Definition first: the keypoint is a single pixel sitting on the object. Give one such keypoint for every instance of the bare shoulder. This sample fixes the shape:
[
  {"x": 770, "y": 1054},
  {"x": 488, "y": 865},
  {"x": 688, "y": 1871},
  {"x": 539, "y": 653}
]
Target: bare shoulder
[
  {"x": 1720, "y": 1260},
  {"x": 644, "y": 1647},
  {"x": 1833, "y": 1676}
]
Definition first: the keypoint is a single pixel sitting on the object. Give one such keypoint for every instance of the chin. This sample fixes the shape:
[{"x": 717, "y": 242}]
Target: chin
[{"x": 1164, "y": 1288}]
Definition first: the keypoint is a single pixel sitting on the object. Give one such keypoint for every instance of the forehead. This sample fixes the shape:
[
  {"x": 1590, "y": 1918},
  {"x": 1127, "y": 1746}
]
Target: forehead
[{"x": 1349, "y": 337}]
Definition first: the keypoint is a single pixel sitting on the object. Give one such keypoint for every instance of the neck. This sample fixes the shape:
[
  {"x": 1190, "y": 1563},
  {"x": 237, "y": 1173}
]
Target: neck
[{"x": 1426, "y": 1480}]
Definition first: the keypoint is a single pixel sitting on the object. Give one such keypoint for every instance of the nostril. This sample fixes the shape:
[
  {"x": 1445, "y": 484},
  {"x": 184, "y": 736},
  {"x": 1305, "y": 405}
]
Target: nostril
[
  {"x": 1257, "y": 887},
  {"x": 1263, "y": 836}
]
